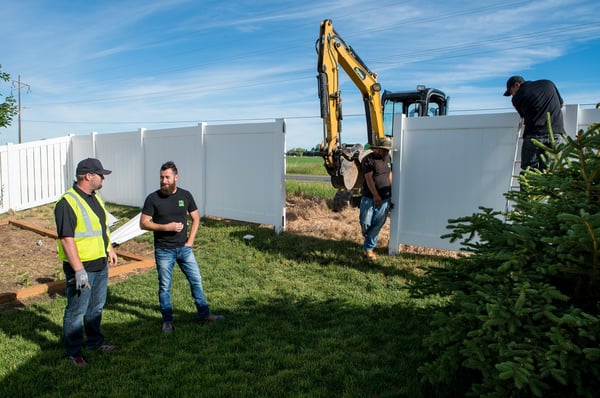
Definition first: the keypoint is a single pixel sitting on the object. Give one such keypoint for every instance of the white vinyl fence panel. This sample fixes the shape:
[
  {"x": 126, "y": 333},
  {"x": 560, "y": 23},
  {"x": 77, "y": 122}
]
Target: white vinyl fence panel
[
  {"x": 183, "y": 146},
  {"x": 82, "y": 147},
  {"x": 587, "y": 117},
  {"x": 245, "y": 179},
  {"x": 119, "y": 152},
  {"x": 446, "y": 168},
  {"x": 122, "y": 153},
  {"x": 33, "y": 173}
]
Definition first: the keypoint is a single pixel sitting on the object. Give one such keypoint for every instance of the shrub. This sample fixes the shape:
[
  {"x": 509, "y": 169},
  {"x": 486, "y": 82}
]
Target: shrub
[{"x": 522, "y": 317}]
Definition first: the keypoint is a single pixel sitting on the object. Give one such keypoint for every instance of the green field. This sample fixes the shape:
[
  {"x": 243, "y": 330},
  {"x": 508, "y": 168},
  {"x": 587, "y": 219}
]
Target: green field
[
  {"x": 309, "y": 165},
  {"x": 310, "y": 189}
]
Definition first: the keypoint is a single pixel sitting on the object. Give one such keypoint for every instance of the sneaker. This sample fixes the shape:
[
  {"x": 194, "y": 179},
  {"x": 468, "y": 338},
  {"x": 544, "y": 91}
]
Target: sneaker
[
  {"x": 370, "y": 255},
  {"x": 211, "y": 318},
  {"x": 106, "y": 348},
  {"x": 167, "y": 327},
  {"x": 77, "y": 361}
]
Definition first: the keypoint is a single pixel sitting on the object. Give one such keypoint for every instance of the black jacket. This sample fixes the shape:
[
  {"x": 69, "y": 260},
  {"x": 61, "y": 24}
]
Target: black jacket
[{"x": 533, "y": 101}]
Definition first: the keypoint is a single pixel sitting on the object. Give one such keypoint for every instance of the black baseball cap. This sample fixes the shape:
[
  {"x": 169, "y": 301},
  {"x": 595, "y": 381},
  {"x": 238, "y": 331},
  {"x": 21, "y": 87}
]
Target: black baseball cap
[
  {"x": 510, "y": 82},
  {"x": 91, "y": 165}
]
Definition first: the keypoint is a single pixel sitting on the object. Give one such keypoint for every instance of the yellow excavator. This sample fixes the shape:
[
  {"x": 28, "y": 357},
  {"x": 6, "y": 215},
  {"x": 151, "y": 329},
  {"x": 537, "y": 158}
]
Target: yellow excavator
[{"x": 342, "y": 161}]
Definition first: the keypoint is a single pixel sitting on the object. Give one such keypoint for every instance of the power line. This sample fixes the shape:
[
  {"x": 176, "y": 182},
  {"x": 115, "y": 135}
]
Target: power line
[{"x": 352, "y": 115}]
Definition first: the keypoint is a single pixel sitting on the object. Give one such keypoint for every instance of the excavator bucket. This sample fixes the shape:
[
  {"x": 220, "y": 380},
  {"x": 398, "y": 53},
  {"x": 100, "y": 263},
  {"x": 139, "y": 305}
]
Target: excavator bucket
[{"x": 347, "y": 174}]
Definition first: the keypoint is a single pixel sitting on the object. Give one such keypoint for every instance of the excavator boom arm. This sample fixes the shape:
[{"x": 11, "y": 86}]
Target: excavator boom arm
[{"x": 334, "y": 52}]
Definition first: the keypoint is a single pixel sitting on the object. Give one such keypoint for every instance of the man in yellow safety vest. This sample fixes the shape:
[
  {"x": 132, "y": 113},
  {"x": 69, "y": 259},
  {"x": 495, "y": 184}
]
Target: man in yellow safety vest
[{"x": 85, "y": 249}]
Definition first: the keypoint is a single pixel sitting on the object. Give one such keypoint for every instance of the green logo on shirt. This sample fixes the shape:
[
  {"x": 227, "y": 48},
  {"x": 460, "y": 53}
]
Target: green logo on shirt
[{"x": 181, "y": 204}]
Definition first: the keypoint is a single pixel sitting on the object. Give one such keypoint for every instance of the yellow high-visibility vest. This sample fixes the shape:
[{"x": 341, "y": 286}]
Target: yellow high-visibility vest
[{"x": 88, "y": 230}]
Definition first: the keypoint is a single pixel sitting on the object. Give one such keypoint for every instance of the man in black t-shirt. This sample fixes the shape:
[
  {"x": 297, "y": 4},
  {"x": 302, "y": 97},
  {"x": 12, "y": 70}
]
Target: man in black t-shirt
[
  {"x": 533, "y": 100},
  {"x": 376, "y": 194},
  {"x": 165, "y": 212}
]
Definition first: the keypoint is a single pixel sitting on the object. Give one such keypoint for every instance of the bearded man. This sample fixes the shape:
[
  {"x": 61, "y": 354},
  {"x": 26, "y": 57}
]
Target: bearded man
[{"x": 166, "y": 213}]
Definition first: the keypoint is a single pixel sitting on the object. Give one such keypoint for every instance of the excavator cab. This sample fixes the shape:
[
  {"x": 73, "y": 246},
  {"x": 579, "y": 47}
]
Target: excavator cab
[{"x": 423, "y": 101}]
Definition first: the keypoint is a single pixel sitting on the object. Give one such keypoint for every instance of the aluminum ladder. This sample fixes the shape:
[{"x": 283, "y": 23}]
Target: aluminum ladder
[{"x": 516, "y": 167}]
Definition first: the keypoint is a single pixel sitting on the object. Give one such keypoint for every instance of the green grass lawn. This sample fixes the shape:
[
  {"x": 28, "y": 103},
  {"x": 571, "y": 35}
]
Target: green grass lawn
[
  {"x": 310, "y": 165},
  {"x": 305, "y": 317},
  {"x": 310, "y": 189}
]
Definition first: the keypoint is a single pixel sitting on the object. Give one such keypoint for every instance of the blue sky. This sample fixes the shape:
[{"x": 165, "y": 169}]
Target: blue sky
[{"x": 119, "y": 65}]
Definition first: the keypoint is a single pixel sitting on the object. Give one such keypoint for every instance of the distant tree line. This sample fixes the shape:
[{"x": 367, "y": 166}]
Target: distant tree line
[{"x": 315, "y": 151}]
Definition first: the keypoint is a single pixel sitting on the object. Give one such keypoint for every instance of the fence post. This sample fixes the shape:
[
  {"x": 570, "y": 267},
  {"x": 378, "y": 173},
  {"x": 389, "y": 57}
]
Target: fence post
[
  {"x": 13, "y": 181},
  {"x": 571, "y": 120},
  {"x": 142, "y": 132}
]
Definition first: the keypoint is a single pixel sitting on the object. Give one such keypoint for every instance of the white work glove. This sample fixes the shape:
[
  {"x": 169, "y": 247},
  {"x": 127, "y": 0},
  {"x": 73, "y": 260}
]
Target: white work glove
[{"x": 81, "y": 279}]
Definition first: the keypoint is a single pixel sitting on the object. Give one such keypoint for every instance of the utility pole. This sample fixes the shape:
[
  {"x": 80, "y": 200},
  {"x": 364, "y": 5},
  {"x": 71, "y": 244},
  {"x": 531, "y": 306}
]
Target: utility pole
[{"x": 19, "y": 85}]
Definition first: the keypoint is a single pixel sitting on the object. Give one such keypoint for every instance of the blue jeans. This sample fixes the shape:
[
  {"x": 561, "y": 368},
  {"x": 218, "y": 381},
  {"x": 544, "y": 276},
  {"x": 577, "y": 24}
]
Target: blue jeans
[
  {"x": 372, "y": 220},
  {"x": 165, "y": 262},
  {"x": 84, "y": 312}
]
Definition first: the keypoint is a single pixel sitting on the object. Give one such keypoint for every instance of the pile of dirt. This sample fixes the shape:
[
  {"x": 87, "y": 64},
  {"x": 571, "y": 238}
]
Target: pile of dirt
[{"x": 313, "y": 217}]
